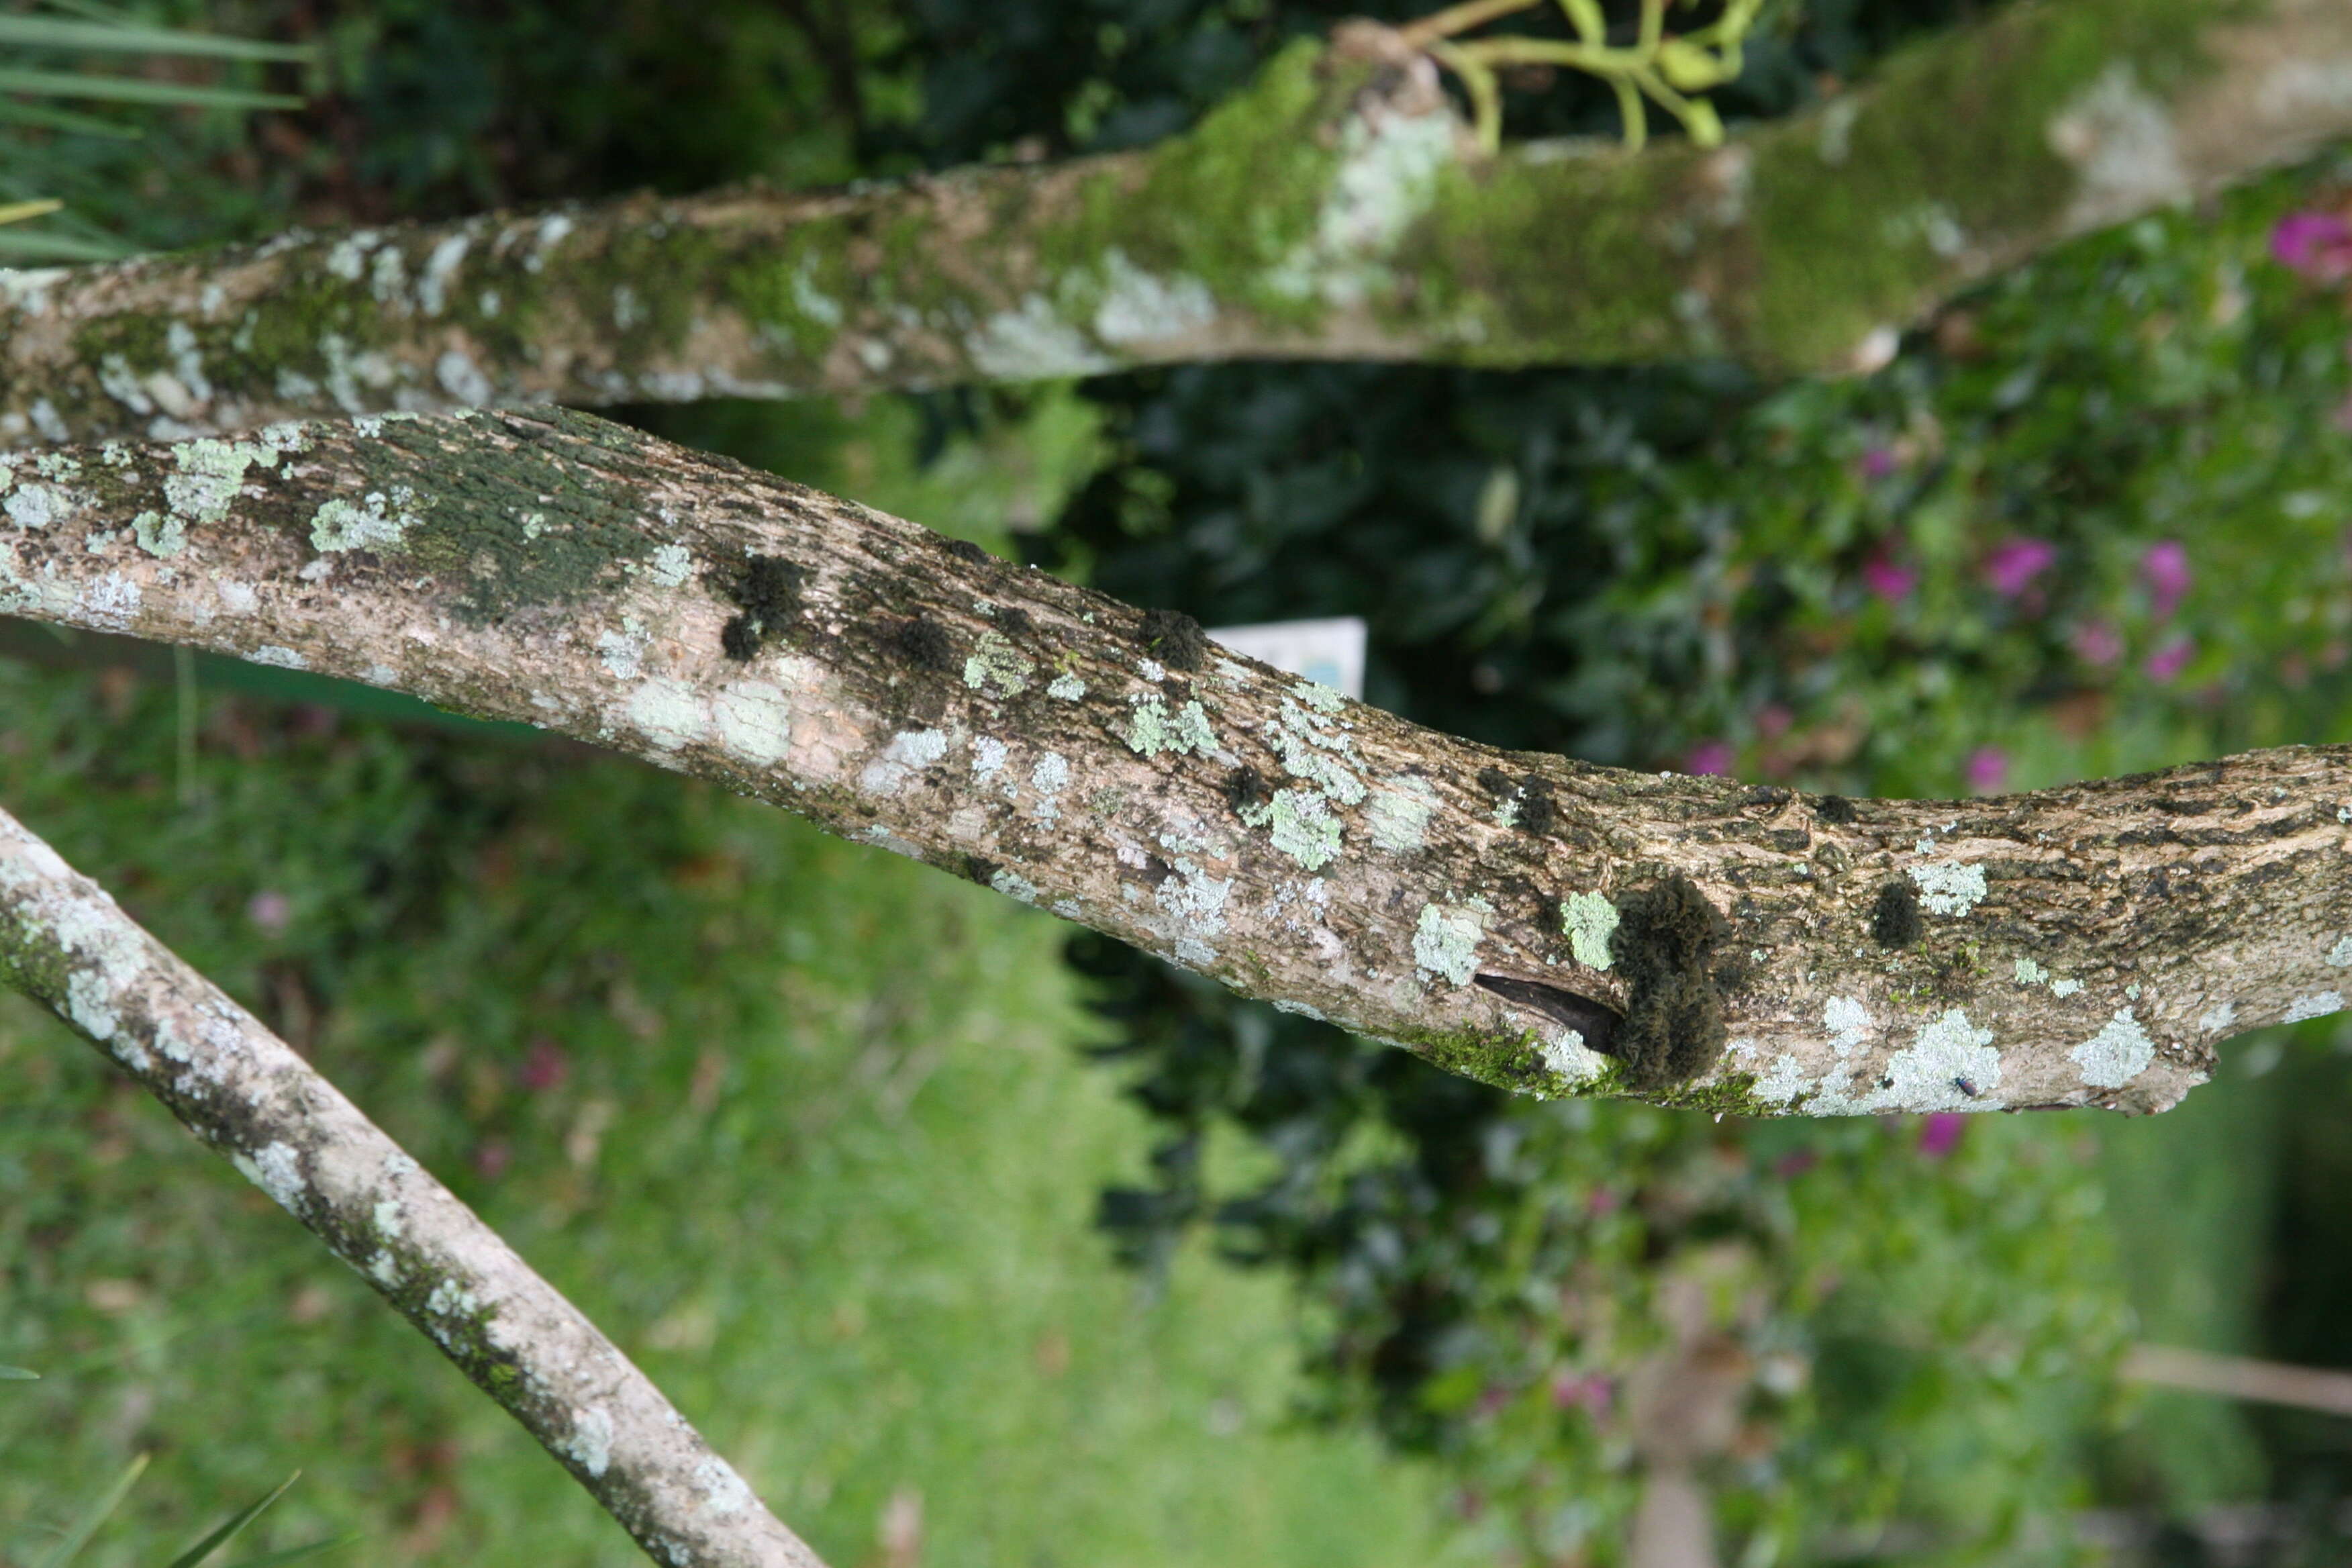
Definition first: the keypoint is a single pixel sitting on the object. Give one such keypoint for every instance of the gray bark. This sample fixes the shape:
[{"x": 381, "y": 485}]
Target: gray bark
[
  {"x": 1337, "y": 208},
  {"x": 246, "y": 1094},
  {"x": 1748, "y": 949}
]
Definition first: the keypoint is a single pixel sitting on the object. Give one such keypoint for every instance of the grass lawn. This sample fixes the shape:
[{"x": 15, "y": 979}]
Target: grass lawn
[{"x": 798, "y": 1123}]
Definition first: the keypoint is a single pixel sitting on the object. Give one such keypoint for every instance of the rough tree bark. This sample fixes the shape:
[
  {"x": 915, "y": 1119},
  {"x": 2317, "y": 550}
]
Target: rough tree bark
[
  {"x": 245, "y": 1092},
  {"x": 1335, "y": 209},
  {"x": 1542, "y": 924}
]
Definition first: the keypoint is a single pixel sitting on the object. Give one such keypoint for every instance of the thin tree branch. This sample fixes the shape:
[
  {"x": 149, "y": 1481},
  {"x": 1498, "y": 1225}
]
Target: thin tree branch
[
  {"x": 1335, "y": 209},
  {"x": 1507, "y": 915},
  {"x": 246, "y": 1093}
]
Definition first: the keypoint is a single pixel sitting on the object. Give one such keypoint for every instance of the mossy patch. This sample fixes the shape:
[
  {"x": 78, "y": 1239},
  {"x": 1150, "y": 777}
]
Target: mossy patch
[
  {"x": 1665, "y": 946},
  {"x": 1834, "y": 808}
]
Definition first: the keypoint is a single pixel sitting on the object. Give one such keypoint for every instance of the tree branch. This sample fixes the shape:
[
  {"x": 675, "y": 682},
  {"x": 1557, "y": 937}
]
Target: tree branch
[
  {"x": 1337, "y": 208},
  {"x": 246, "y": 1092},
  {"x": 1506, "y": 915}
]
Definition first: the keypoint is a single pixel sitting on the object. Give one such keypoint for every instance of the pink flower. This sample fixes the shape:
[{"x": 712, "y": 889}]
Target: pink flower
[
  {"x": 1878, "y": 462},
  {"x": 1772, "y": 720},
  {"x": 1588, "y": 1391},
  {"x": 544, "y": 1067},
  {"x": 1795, "y": 1162},
  {"x": 2316, "y": 246},
  {"x": 492, "y": 1156},
  {"x": 2095, "y": 642},
  {"x": 1940, "y": 1133},
  {"x": 1890, "y": 581},
  {"x": 2165, "y": 565},
  {"x": 2014, "y": 564},
  {"x": 1709, "y": 757},
  {"x": 2166, "y": 661},
  {"x": 270, "y": 911},
  {"x": 1988, "y": 770}
]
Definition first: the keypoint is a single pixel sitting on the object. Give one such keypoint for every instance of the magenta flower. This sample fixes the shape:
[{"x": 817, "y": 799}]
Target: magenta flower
[
  {"x": 2316, "y": 246},
  {"x": 1890, "y": 581},
  {"x": 2014, "y": 564},
  {"x": 1878, "y": 462},
  {"x": 1988, "y": 770},
  {"x": 544, "y": 1067},
  {"x": 269, "y": 910},
  {"x": 2165, "y": 565},
  {"x": 2166, "y": 661},
  {"x": 1940, "y": 1133},
  {"x": 1590, "y": 1393},
  {"x": 2095, "y": 642},
  {"x": 1708, "y": 757}
]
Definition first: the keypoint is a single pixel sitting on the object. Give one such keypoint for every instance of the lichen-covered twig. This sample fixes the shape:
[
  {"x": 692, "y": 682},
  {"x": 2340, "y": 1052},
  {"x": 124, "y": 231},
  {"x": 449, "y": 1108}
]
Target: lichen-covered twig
[
  {"x": 1539, "y": 923},
  {"x": 247, "y": 1094},
  {"x": 1337, "y": 207}
]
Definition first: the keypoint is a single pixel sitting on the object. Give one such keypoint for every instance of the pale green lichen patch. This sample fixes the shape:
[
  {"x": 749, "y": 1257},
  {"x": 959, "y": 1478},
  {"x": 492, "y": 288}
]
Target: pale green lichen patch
[
  {"x": 669, "y": 565},
  {"x": 1567, "y": 1055},
  {"x": 2030, "y": 973},
  {"x": 1948, "y": 888},
  {"x": 2117, "y": 1054},
  {"x": 1066, "y": 689},
  {"x": 379, "y": 523},
  {"x": 1300, "y": 825},
  {"x": 1154, "y": 729},
  {"x": 1398, "y": 816},
  {"x": 996, "y": 663},
  {"x": 1445, "y": 941},
  {"x": 2062, "y": 989},
  {"x": 2341, "y": 955},
  {"x": 1590, "y": 920}
]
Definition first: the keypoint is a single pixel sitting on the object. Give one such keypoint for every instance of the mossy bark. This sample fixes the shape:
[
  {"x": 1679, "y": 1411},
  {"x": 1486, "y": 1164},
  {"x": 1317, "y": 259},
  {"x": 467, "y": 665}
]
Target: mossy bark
[
  {"x": 1539, "y": 923},
  {"x": 1335, "y": 208},
  {"x": 248, "y": 1095}
]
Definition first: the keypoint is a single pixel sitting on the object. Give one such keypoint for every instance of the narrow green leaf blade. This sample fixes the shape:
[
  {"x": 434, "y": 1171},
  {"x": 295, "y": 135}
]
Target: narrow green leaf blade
[
  {"x": 138, "y": 89},
  {"x": 19, "y": 1374},
  {"x": 236, "y": 1521},
  {"x": 130, "y": 37},
  {"x": 77, "y": 1535}
]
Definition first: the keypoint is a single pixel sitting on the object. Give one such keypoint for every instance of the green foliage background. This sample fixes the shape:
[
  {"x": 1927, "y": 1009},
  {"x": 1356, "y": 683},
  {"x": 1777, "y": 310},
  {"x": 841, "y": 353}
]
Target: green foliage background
[{"x": 855, "y": 1243}]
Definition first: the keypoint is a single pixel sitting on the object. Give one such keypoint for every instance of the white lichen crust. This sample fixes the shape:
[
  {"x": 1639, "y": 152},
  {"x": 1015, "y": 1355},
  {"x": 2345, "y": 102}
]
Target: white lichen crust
[{"x": 246, "y": 1093}]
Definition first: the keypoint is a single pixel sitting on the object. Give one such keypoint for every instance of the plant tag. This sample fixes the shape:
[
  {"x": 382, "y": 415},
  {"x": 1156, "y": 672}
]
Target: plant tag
[{"x": 1329, "y": 651}]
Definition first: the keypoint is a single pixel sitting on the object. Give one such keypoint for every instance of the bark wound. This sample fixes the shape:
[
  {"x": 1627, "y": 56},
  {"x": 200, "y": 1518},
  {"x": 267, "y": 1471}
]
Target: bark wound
[
  {"x": 1596, "y": 1021},
  {"x": 1665, "y": 943}
]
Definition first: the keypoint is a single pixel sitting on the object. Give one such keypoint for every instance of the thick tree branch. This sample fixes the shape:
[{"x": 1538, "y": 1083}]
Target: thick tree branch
[
  {"x": 1335, "y": 209},
  {"x": 1741, "y": 948},
  {"x": 247, "y": 1094}
]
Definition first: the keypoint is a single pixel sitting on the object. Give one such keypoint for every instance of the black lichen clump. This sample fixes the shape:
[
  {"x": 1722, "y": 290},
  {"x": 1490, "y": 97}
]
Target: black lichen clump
[
  {"x": 1834, "y": 808},
  {"x": 924, "y": 643},
  {"x": 1494, "y": 780},
  {"x": 1664, "y": 945},
  {"x": 1015, "y": 620},
  {"x": 965, "y": 550},
  {"x": 979, "y": 870},
  {"x": 1246, "y": 788},
  {"x": 1174, "y": 638},
  {"x": 1539, "y": 812},
  {"x": 1896, "y": 922},
  {"x": 768, "y": 591}
]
